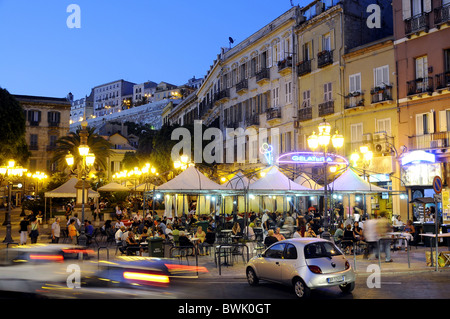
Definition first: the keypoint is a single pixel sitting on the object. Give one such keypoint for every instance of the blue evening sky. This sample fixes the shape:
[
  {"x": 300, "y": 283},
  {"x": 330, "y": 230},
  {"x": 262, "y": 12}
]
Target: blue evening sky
[{"x": 134, "y": 40}]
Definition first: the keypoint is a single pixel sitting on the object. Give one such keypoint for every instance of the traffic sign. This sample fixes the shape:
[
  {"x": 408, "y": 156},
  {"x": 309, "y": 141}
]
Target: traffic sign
[{"x": 437, "y": 184}]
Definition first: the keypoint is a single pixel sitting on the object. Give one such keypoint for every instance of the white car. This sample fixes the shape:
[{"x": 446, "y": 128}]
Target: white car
[{"x": 304, "y": 263}]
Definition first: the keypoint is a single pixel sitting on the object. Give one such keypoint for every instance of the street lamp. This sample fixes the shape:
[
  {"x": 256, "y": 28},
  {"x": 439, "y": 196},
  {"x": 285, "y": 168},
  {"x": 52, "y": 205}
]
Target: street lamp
[
  {"x": 366, "y": 159},
  {"x": 322, "y": 140},
  {"x": 11, "y": 170},
  {"x": 88, "y": 160}
]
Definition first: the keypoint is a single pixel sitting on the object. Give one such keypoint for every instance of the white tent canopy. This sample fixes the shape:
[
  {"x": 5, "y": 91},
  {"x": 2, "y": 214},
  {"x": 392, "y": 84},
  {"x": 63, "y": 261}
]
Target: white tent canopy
[
  {"x": 142, "y": 187},
  {"x": 190, "y": 181},
  {"x": 349, "y": 181},
  {"x": 113, "y": 187},
  {"x": 275, "y": 180},
  {"x": 238, "y": 181},
  {"x": 306, "y": 181},
  {"x": 68, "y": 190}
]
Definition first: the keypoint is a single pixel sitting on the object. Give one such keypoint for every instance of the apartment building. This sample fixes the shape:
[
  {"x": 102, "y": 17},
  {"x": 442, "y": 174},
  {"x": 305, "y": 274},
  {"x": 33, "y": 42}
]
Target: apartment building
[
  {"x": 47, "y": 119},
  {"x": 109, "y": 97},
  {"x": 82, "y": 108},
  {"x": 422, "y": 50}
]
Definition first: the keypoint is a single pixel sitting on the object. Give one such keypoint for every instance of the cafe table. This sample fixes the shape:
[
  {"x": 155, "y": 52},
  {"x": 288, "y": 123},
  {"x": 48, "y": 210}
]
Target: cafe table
[{"x": 446, "y": 235}]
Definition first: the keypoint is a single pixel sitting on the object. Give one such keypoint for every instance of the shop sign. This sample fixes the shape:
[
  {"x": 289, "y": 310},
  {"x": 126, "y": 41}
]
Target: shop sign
[
  {"x": 417, "y": 157},
  {"x": 312, "y": 158}
]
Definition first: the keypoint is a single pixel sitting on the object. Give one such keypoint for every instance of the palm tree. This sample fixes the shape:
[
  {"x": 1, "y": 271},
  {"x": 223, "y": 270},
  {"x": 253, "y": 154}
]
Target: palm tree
[{"x": 99, "y": 146}]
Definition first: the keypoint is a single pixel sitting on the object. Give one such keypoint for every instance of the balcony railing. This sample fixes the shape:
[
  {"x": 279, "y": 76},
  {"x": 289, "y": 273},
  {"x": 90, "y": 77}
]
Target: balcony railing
[
  {"x": 442, "y": 14},
  {"x": 304, "y": 67},
  {"x": 381, "y": 94},
  {"x": 222, "y": 95},
  {"x": 443, "y": 80},
  {"x": 252, "y": 120},
  {"x": 354, "y": 99},
  {"x": 243, "y": 85},
  {"x": 283, "y": 64},
  {"x": 305, "y": 114},
  {"x": 324, "y": 58},
  {"x": 420, "y": 86},
  {"x": 53, "y": 124},
  {"x": 420, "y": 22},
  {"x": 264, "y": 74},
  {"x": 33, "y": 147},
  {"x": 273, "y": 113},
  {"x": 204, "y": 107},
  {"x": 436, "y": 140},
  {"x": 326, "y": 108}
]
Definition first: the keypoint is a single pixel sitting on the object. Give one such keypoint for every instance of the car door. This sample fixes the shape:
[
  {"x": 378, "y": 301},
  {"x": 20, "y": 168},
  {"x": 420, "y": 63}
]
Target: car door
[
  {"x": 289, "y": 263},
  {"x": 270, "y": 266}
]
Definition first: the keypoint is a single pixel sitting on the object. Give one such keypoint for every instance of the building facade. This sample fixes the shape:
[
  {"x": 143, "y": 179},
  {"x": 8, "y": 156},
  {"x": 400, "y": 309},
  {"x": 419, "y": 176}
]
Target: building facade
[
  {"x": 47, "y": 119},
  {"x": 422, "y": 49},
  {"x": 82, "y": 108},
  {"x": 109, "y": 97}
]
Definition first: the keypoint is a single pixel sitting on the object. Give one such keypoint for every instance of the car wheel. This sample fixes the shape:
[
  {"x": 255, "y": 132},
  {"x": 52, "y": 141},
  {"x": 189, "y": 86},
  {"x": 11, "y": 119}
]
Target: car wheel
[
  {"x": 300, "y": 289},
  {"x": 347, "y": 288},
  {"x": 251, "y": 277}
]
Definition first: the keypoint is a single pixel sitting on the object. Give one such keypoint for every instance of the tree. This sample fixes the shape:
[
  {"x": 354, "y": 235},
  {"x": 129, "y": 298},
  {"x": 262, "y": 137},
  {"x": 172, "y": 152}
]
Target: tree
[
  {"x": 100, "y": 147},
  {"x": 12, "y": 131}
]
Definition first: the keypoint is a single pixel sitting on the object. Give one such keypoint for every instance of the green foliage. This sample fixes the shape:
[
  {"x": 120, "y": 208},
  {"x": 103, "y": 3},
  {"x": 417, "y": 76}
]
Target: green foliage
[
  {"x": 12, "y": 131},
  {"x": 56, "y": 180},
  {"x": 130, "y": 161}
]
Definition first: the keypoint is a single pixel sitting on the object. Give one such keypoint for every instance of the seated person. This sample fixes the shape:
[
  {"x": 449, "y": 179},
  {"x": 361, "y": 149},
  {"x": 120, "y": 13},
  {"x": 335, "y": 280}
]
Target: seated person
[
  {"x": 348, "y": 239},
  {"x": 357, "y": 231},
  {"x": 339, "y": 233},
  {"x": 278, "y": 235},
  {"x": 131, "y": 244},
  {"x": 409, "y": 229},
  {"x": 270, "y": 238}
]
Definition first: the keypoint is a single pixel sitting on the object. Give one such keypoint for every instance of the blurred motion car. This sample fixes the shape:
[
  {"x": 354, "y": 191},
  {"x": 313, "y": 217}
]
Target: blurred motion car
[
  {"x": 26, "y": 268},
  {"x": 304, "y": 264}
]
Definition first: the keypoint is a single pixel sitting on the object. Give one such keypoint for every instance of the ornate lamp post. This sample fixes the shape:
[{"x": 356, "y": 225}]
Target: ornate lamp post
[
  {"x": 322, "y": 140},
  {"x": 83, "y": 169},
  {"x": 366, "y": 159},
  {"x": 11, "y": 170}
]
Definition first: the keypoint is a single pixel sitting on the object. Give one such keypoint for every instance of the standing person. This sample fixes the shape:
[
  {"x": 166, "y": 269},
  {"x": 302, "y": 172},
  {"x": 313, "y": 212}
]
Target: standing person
[
  {"x": 383, "y": 227},
  {"x": 370, "y": 236},
  {"x": 201, "y": 235},
  {"x": 34, "y": 233},
  {"x": 72, "y": 232},
  {"x": 24, "y": 230},
  {"x": 56, "y": 231}
]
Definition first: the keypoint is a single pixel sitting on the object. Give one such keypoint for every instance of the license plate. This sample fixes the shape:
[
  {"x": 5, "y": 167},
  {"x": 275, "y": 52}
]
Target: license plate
[{"x": 335, "y": 279}]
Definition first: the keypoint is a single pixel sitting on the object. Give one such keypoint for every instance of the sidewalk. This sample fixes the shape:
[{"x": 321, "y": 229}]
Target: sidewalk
[{"x": 417, "y": 256}]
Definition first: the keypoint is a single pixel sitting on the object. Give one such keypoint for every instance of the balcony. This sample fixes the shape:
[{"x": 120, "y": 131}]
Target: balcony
[
  {"x": 263, "y": 76},
  {"x": 285, "y": 66},
  {"x": 437, "y": 140},
  {"x": 443, "y": 81},
  {"x": 442, "y": 15},
  {"x": 273, "y": 113},
  {"x": 416, "y": 24},
  {"x": 381, "y": 94},
  {"x": 222, "y": 96},
  {"x": 303, "y": 67},
  {"x": 326, "y": 108},
  {"x": 304, "y": 114},
  {"x": 324, "y": 58},
  {"x": 53, "y": 124},
  {"x": 242, "y": 86},
  {"x": 253, "y": 120},
  {"x": 420, "y": 86},
  {"x": 33, "y": 147},
  {"x": 204, "y": 108},
  {"x": 354, "y": 99}
]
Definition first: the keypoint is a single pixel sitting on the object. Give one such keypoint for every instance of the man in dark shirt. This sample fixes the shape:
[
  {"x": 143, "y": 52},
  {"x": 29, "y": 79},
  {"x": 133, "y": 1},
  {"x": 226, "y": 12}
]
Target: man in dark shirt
[{"x": 270, "y": 238}]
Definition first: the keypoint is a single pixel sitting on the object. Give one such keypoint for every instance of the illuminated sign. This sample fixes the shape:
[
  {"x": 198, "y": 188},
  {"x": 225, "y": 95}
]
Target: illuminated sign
[
  {"x": 417, "y": 157},
  {"x": 267, "y": 150},
  {"x": 312, "y": 158}
]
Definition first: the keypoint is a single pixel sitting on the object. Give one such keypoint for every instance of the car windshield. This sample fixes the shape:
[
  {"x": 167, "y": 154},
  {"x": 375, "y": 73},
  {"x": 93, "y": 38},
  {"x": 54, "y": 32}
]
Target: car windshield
[{"x": 320, "y": 250}]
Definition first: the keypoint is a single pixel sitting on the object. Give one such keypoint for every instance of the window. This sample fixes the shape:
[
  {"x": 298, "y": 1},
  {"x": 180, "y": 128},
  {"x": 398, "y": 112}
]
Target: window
[
  {"x": 34, "y": 117},
  {"x": 424, "y": 123},
  {"x": 306, "y": 98},
  {"x": 444, "y": 120},
  {"x": 287, "y": 143},
  {"x": 288, "y": 92},
  {"x": 356, "y": 132},
  {"x": 307, "y": 51},
  {"x": 276, "y": 251},
  {"x": 326, "y": 42},
  {"x": 53, "y": 139},
  {"x": 275, "y": 97},
  {"x": 355, "y": 83},
  {"x": 54, "y": 117},
  {"x": 33, "y": 141},
  {"x": 447, "y": 58},
  {"x": 327, "y": 92},
  {"x": 384, "y": 125},
  {"x": 422, "y": 67},
  {"x": 320, "y": 250},
  {"x": 291, "y": 252},
  {"x": 381, "y": 76}
]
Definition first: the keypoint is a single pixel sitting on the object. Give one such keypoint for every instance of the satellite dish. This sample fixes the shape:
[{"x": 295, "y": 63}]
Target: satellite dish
[{"x": 231, "y": 39}]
